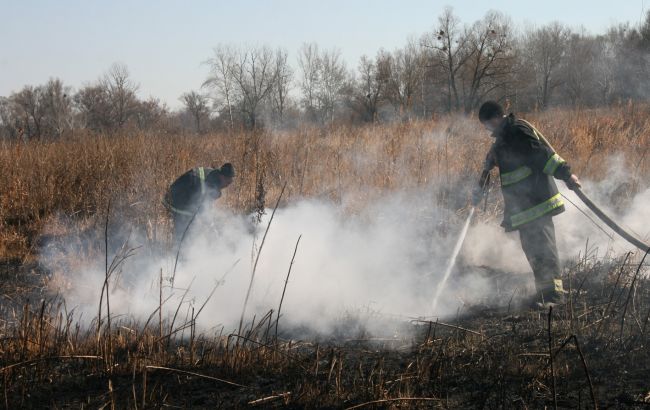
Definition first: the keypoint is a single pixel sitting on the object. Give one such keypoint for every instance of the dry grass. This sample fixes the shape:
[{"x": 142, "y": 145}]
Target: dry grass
[
  {"x": 485, "y": 360},
  {"x": 75, "y": 178}
]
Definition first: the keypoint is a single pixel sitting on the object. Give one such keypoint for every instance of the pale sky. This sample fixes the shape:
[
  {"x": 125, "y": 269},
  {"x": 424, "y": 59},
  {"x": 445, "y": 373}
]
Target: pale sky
[{"x": 164, "y": 42}]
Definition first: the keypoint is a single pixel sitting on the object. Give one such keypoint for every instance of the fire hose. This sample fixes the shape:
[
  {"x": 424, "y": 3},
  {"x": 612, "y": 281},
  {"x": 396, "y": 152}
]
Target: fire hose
[
  {"x": 609, "y": 222},
  {"x": 596, "y": 210}
]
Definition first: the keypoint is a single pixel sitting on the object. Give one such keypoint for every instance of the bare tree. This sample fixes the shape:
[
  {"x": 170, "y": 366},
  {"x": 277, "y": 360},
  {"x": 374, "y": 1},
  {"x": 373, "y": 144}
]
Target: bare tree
[
  {"x": 40, "y": 111},
  {"x": 221, "y": 79},
  {"x": 373, "y": 81},
  {"x": 604, "y": 66},
  {"x": 406, "y": 76},
  {"x": 197, "y": 105},
  {"x": 31, "y": 111},
  {"x": 151, "y": 114},
  {"x": 121, "y": 94},
  {"x": 94, "y": 107},
  {"x": 449, "y": 53},
  {"x": 578, "y": 72},
  {"x": 282, "y": 86},
  {"x": 58, "y": 107},
  {"x": 323, "y": 80},
  {"x": 544, "y": 49},
  {"x": 332, "y": 80},
  {"x": 254, "y": 73},
  {"x": 644, "y": 33},
  {"x": 309, "y": 64},
  {"x": 9, "y": 122},
  {"x": 491, "y": 59}
]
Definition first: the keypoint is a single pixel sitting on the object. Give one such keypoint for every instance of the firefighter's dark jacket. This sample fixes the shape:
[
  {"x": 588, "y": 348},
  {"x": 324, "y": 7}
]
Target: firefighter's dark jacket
[
  {"x": 526, "y": 168},
  {"x": 191, "y": 189}
]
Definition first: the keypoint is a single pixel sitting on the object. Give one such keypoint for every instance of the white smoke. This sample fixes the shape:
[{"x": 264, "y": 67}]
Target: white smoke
[
  {"x": 620, "y": 197},
  {"x": 386, "y": 259}
]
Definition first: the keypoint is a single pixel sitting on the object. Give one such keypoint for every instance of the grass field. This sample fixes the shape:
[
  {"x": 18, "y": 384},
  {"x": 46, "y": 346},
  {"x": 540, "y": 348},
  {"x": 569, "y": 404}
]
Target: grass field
[
  {"x": 591, "y": 352},
  {"x": 76, "y": 177}
]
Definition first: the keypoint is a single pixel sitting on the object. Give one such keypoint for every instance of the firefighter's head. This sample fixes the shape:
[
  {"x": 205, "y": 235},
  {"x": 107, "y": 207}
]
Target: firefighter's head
[
  {"x": 491, "y": 115},
  {"x": 223, "y": 176},
  {"x": 226, "y": 174}
]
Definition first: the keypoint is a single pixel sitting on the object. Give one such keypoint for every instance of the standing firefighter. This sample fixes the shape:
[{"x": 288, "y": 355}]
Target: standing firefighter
[
  {"x": 193, "y": 189},
  {"x": 527, "y": 166}
]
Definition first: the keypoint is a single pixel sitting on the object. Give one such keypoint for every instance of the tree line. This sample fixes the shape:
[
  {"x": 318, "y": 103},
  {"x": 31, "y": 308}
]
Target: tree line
[{"x": 452, "y": 68}]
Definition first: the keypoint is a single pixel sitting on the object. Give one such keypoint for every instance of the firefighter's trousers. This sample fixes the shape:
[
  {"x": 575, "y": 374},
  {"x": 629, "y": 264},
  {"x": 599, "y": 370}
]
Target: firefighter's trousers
[
  {"x": 538, "y": 242},
  {"x": 181, "y": 224}
]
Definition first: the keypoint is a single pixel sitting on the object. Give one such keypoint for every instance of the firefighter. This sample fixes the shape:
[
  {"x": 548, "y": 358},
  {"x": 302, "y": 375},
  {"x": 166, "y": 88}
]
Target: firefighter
[
  {"x": 193, "y": 189},
  {"x": 527, "y": 168}
]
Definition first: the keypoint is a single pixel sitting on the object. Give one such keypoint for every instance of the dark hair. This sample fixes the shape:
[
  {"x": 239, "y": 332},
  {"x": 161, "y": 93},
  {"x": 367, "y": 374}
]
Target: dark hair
[
  {"x": 227, "y": 170},
  {"x": 489, "y": 110}
]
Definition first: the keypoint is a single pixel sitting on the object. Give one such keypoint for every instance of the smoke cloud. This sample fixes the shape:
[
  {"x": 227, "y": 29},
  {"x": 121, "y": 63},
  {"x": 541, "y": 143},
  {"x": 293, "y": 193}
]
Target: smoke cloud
[{"x": 385, "y": 260}]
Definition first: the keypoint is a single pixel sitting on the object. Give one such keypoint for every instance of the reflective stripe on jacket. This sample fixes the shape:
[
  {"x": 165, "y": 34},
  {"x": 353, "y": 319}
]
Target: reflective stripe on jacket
[{"x": 527, "y": 168}]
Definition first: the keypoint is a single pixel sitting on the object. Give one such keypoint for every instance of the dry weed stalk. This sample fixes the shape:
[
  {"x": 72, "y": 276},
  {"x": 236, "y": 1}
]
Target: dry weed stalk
[{"x": 257, "y": 258}]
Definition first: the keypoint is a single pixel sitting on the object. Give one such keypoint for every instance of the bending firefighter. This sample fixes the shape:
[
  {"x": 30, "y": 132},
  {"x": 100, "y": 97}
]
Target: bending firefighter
[
  {"x": 191, "y": 190},
  {"x": 527, "y": 167}
]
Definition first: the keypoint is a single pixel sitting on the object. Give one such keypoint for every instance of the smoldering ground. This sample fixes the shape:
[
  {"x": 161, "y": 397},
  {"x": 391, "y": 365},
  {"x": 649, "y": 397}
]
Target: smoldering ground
[
  {"x": 357, "y": 270},
  {"x": 383, "y": 259}
]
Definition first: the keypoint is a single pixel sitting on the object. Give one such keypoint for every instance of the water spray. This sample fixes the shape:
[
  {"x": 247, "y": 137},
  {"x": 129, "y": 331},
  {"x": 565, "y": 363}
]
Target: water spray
[
  {"x": 452, "y": 260},
  {"x": 484, "y": 182}
]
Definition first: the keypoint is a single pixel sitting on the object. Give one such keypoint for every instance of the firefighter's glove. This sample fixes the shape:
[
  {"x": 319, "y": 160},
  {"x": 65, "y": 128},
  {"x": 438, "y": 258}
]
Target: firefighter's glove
[
  {"x": 573, "y": 182},
  {"x": 477, "y": 195}
]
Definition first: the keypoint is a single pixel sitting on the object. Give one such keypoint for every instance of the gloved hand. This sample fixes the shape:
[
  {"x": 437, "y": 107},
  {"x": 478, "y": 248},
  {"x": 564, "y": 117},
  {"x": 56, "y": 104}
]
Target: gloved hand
[
  {"x": 477, "y": 194},
  {"x": 573, "y": 182}
]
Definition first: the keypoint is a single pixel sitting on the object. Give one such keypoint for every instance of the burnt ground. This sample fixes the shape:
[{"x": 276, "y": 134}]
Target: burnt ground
[
  {"x": 21, "y": 283},
  {"x": 484, "y": 357}
]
